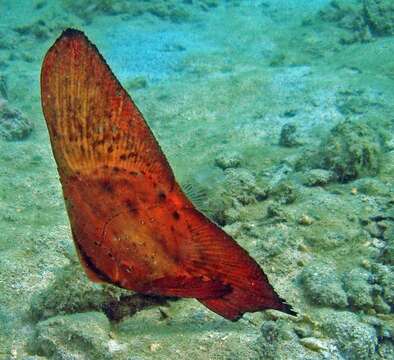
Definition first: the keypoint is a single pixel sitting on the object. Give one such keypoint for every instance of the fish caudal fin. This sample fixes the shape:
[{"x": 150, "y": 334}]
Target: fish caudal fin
[{"x": 213, "y": 253}]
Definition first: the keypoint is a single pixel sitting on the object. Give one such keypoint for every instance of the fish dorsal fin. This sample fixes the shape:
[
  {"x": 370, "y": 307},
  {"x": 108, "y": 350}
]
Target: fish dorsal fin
[
  {"x": 197, "y": 195},
  {"x": 92, "y": 121}
]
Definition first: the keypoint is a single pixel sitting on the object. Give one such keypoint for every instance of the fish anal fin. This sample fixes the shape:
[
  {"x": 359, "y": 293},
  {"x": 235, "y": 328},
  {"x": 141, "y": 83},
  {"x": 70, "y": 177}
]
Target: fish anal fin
[
  {"x": 189, "y": 287},
  {"x": 213, "y": 253},
  {"x": 223, "y": 308}
]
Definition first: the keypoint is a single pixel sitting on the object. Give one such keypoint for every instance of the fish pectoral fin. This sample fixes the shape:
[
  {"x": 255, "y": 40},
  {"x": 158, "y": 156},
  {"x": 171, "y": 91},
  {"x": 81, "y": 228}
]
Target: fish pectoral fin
[{"x": 190, "y": 287}]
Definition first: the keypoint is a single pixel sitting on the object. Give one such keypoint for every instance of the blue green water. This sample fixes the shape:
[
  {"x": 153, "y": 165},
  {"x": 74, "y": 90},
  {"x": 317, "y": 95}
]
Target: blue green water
[{"x": 279, "y": 112}]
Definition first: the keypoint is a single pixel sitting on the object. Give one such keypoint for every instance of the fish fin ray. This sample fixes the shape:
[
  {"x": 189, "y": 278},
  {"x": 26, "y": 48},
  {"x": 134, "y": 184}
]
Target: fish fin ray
[
  {"x": 92, "y": 121},
  {"x": 212, "y": 253},
  {"x": 191, "y": 287}
]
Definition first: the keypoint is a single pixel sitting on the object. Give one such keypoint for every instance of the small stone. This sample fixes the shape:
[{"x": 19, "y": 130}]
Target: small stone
[
  {"x": 136, "y": 83},
  {"x": 305, "y": 220},
  {"x": 154, "y": 347},
  {"x": 14, "y": 125},
  {"x": 313, "y": 344},
  {"x": 228, "y": 161},
  {"x": 304, "y": 248},
  {"x": 288, "y": 136}
]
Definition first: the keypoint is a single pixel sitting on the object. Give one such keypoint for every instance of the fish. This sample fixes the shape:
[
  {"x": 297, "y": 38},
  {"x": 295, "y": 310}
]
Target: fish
[{"x": 132, "y": 224}]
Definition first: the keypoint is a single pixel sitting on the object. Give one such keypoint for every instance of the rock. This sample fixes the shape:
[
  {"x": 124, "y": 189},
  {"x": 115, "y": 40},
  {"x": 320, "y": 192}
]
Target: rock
[
  {"x": 313, "y": 344},
  {"x": 384, "y": 277},
  {"x": 352, "y": 102},
  {"x": 349, "y": 17},
  {"x": 285, "y": 192},
  {"x": 352, "y": 150},
  {"x": 357, "y": 284},
  {"x": 228, "y": 160},
  {"x": 277, "y": 212},
  {"x": 77, "y": 336},
  {"x": 356, "y": 340},
  {"x": 381, "y": 306},
  {"x": 241, "y": 185},
  {"x": 379, "y": 15},
  {"x": 72, "y": 292},
  {"x": 305, "y": 220},
  {"x": 231, "y": 215},
  {"x": 273, "y": 242},
  {"x": 39, "y": 29},
  {"x": 14, "y": 125},
  {"x": 388, "y": 254},
  {"x": 136, "y": 83},
  {"x": 386, "y": 350},
  {"x": 323, "y": 286},
  {"x": 165, "y": 9},
  {"x": 317, "y": 177},
  {"x": 288, "y": 136},
  {"x": 278, "y": 339},
  {"x": 3, "y": 87},
  {"x": 372, "y": 187}
]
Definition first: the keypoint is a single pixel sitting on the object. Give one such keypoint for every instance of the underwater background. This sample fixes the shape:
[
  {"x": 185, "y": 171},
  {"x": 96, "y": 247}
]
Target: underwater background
[{"x": 279, "y": 116}]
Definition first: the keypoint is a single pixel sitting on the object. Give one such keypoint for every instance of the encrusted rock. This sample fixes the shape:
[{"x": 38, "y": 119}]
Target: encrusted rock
[
  {"x": 288, "y": 136},
  {"x": 379, "y": 15},
  {"x": 356, "y": 340},
  {"x": 14, "y": 125},
  {"x": 81, "y": 335},
  {"x": 323, "y": 285},
  {"x": 359, "y": 289},
  {"x": 317, "y": 177},
  {"x": 352, "y": 150},
  {"x": 228, "y": 160},
  {"x": 241, "y": 184}
]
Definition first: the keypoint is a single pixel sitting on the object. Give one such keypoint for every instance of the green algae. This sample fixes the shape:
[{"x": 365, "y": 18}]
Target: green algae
[{"x": 352, "y": 150}]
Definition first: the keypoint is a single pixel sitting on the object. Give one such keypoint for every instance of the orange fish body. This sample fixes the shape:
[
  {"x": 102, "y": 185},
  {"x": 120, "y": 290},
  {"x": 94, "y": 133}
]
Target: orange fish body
[{"x": 132, "y": 224}]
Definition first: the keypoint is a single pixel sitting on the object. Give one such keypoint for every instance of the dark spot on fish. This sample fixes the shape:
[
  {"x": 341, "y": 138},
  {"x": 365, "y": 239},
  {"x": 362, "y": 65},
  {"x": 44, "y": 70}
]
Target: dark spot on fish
[
  {"x": 176, "y": 215},
  {"x": 162, "y": 196},
  {"x": 107, "y": 186},
  {"x": 115, "y": 169},
  {"x": 110, "y": 149},
  {"x": 176, "y": 259},
  {"x": 123, "y": 157},
  {"x": 131, "y": 206}
]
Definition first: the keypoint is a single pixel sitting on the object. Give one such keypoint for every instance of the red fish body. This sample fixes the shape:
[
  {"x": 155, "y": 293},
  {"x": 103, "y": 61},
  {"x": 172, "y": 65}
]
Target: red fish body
[{"x": 132, "y": 224}]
